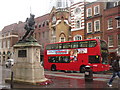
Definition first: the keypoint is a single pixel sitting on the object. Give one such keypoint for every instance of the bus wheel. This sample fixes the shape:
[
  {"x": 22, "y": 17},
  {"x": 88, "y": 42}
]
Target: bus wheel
[
  {"x": 82, "y": 69},
  {"x": 53, "y": 68}
]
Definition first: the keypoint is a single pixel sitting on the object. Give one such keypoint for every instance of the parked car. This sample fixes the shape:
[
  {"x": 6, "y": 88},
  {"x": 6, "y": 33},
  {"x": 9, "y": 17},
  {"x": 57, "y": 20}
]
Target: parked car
[{"x": 9, "y": 63}]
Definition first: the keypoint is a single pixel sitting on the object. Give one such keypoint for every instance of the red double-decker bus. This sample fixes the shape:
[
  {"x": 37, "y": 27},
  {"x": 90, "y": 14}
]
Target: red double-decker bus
[{"x": 75, "y": 55}]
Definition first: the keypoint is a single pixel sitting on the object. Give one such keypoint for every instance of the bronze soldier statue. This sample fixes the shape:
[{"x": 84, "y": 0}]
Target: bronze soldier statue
[{"x": 29, "y": 27}]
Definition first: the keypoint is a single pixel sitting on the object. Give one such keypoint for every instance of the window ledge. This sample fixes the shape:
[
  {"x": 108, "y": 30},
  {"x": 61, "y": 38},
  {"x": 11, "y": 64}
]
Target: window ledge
[
  {"x": 109, "y": 28},
  {"x": 98, "y": 31},
  {"x": 89, "y": 17},
  {"x": 110, "y": 46},
  {"x": 118, "y": 26},
  {"x": 89, "y": 33},
  {"x": 96, "y": 14}
]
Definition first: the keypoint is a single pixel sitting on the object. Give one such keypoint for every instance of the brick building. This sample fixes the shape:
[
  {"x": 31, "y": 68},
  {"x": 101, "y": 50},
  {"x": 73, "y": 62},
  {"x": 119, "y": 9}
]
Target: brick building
[
  {"x": 112, "y": 27},
  {"x": 80, "y": 21},
  {"x": 10, "y": 35},
  {"x": 77, "y": 21},
  {"x": 94, "y": 22},
  {"x": 41, "y": 33},
  {"x": 20, "y": 29},
  {"x": 8, "y": 38}
]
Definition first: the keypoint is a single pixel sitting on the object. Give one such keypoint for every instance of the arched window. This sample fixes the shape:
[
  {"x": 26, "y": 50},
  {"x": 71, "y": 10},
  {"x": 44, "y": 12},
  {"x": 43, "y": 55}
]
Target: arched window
[
  {"x": 77, "y": 37},
  {"x": 62, "y": 38}
]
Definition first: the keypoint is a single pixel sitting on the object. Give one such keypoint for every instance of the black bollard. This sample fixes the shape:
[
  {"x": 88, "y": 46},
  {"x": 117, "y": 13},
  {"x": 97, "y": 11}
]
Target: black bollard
[
  {"x": 88, "y": 74},
  {"x": 11, "y": 83}
]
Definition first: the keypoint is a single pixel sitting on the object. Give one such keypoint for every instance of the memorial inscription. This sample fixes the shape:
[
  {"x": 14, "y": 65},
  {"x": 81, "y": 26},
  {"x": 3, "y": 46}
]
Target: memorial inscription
[{"x": 22, "y": 53}]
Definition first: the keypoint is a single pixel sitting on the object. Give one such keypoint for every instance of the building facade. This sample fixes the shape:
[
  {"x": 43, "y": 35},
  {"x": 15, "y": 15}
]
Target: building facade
[
  {"x": 59, "y": 23},
  {"x": 78, "y": 20},
  {"x": 94, "y": 22},
  {"x": 9, "y": 37},
  {"x": 112, "y": 27},
  {"x": 41, "y": 32},
  {"x": 11, "y": 34}
]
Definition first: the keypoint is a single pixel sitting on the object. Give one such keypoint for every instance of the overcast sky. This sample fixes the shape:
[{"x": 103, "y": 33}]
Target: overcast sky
[{"x": 13, "y": 11}]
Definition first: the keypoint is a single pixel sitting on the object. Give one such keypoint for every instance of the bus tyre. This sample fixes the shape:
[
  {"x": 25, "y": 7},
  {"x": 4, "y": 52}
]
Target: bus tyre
[
  {"x": 53, "y": 68},
  {"x": 82, "y": 69}
]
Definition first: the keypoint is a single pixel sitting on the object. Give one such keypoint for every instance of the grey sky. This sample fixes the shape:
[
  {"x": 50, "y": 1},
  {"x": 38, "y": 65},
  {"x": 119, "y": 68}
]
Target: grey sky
[{"x": 13, "y": 11}]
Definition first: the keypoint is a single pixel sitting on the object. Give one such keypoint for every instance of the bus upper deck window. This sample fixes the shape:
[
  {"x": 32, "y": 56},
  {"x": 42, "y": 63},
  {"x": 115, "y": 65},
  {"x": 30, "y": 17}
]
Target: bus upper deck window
[
  {"x": 54, "y": 46},
  {"x": 74, "y": 44},
  {"x": 66, "y": 45},
  {"x": 60, "y": 45},
  {"x": 83, "y": 44},
  {"x": 92, "y": 43}
]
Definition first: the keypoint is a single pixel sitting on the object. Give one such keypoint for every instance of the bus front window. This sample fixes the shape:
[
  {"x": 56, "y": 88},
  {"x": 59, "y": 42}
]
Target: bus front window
[{"x": 94, "y": 59}]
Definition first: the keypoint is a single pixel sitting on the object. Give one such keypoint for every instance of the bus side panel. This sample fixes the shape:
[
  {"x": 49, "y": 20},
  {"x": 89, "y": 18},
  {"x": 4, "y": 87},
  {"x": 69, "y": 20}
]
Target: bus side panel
[
  {"x": 47, "y": 65},
  {"x": 82, "y": 60},
  {"x": 63, "y": 66}
]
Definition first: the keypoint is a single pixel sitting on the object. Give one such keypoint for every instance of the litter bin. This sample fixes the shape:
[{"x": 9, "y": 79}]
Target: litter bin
[{"x": 88, "y": 74}]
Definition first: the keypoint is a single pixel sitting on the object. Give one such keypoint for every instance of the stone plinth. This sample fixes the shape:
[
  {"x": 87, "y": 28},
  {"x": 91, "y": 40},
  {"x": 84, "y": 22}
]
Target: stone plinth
[{"x": 27, "y": 67}]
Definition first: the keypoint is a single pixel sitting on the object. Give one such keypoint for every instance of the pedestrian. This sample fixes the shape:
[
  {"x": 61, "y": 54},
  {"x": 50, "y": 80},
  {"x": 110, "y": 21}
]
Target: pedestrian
[{"x": 116, "y": 70}]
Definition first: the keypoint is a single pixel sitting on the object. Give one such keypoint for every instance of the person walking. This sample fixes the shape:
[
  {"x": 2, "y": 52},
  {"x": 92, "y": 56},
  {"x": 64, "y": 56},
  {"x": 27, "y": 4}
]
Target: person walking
[{"x": 116, "y": 70}]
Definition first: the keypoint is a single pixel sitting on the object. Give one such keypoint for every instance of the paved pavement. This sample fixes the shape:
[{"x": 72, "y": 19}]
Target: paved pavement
[
  {"x": 64, "y": 80},
  {"x": 74, "y": 81},
  {"x": 99, "y": 80},
  {"x": 3, "y": 75}
]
